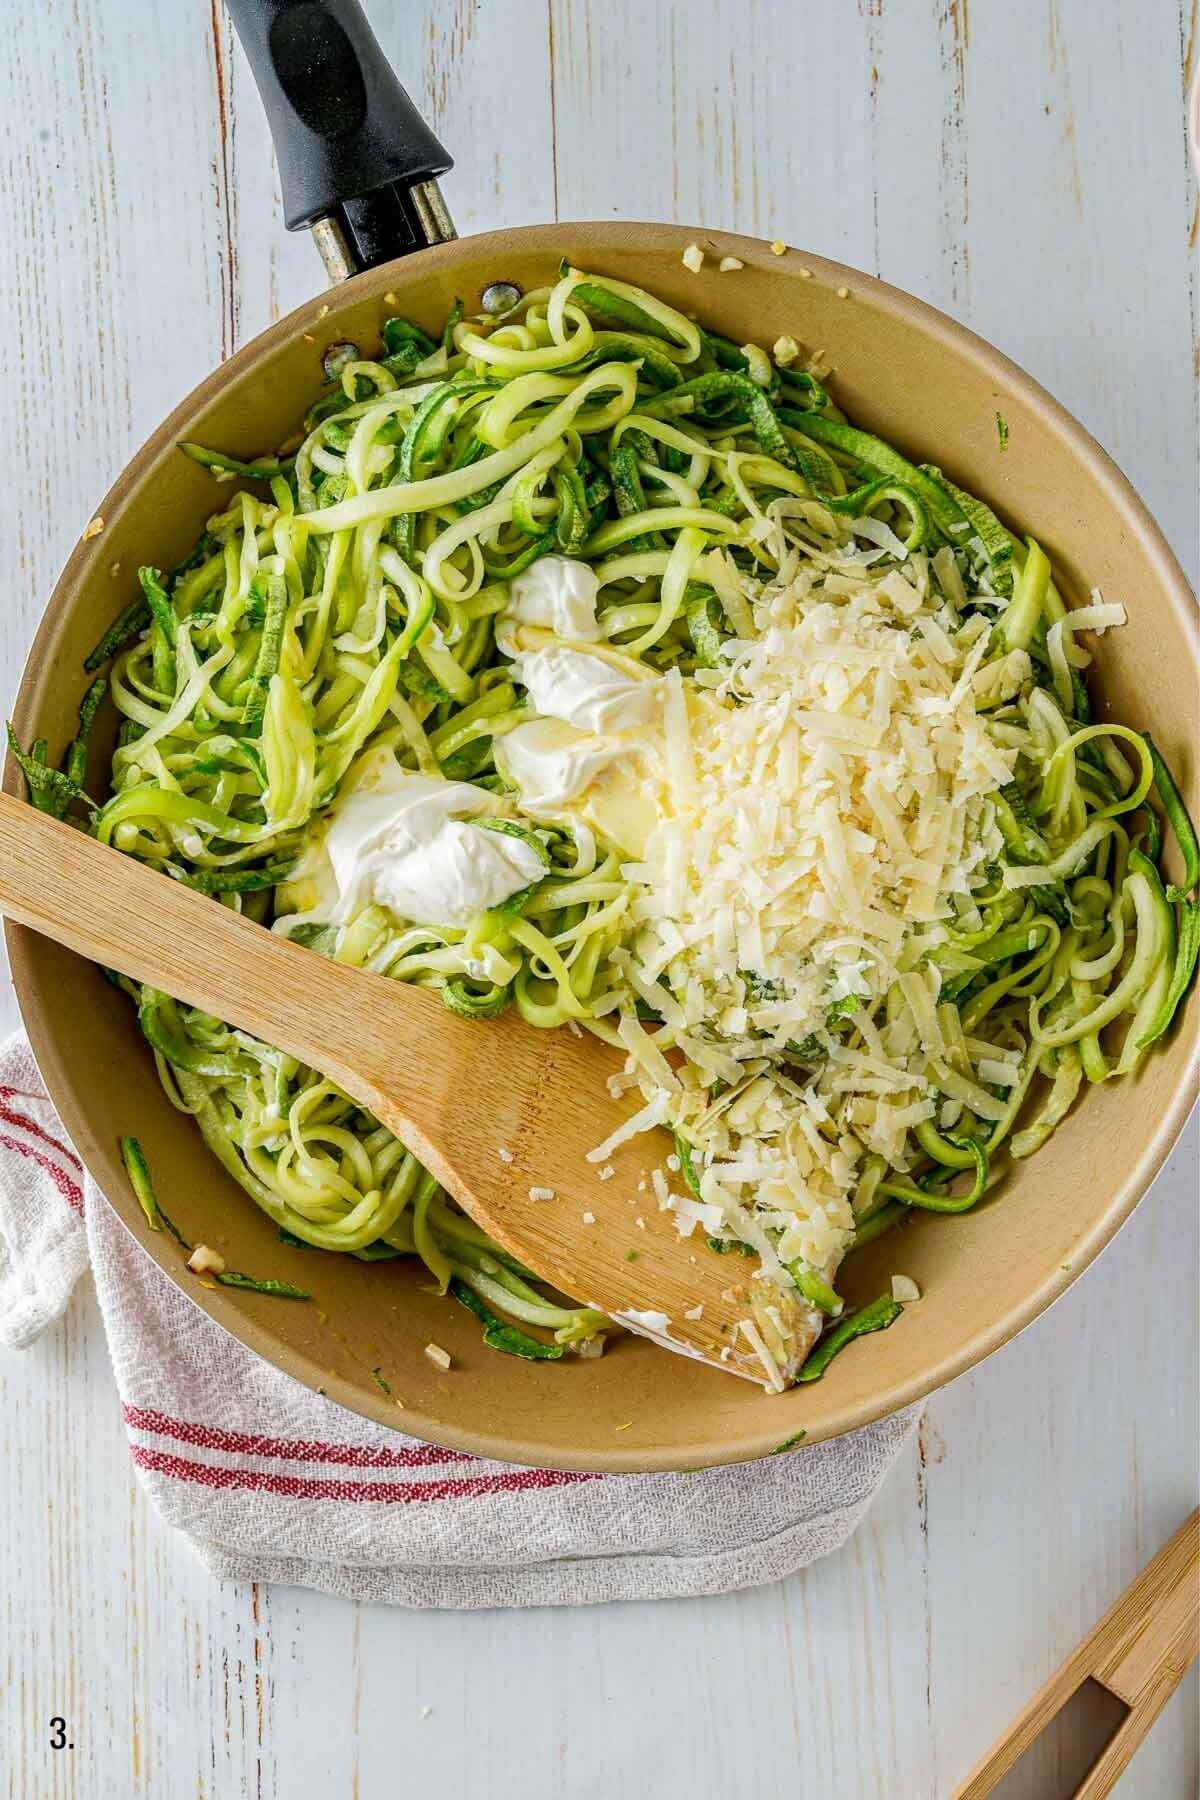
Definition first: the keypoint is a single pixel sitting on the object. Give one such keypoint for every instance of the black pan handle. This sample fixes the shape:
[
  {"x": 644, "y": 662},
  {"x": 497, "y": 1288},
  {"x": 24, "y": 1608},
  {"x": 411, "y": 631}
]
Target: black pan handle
[{"x": 357, "y": 163}]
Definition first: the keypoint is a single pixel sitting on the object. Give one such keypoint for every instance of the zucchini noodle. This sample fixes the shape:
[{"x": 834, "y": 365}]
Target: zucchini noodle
[{"x": 344, "y": 608}]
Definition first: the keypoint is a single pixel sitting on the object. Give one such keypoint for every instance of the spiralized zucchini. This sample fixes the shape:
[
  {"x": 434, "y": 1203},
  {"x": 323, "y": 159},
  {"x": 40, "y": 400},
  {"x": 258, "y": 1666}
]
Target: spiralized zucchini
[{"x": 345, "y": 603}]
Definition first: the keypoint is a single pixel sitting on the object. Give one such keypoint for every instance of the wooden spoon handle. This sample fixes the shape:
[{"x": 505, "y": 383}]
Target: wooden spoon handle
[
  {"x": 117, "y": 912},
  {"x": 1139, "y": 1651},
  {"x": 498, "y": 1120}
]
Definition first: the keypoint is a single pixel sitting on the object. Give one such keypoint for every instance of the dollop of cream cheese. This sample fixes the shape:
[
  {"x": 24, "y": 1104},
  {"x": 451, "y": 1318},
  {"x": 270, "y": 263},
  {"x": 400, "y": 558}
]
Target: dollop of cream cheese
[
  {"x": 559, "y": 594},
  {"x": 595, "y": 712},
  {"x": 408, "y": 842},
  {"x": 584, "y": 689},
  {"x": 552, "y": 764}
]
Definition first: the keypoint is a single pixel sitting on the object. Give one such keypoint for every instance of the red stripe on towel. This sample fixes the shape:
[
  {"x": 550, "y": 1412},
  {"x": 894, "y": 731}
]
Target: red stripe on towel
[
  {"x": 303, "y": 1487},
  {"x": 12, "y": 1117},
  {"x": 246, "y": 1443},
  {"x": 70, "y": 1190}
]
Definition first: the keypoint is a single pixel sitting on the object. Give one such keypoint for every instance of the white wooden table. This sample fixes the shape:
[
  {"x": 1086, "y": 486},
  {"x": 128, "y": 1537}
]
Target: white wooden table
[{"x": 1022, "y": 166}]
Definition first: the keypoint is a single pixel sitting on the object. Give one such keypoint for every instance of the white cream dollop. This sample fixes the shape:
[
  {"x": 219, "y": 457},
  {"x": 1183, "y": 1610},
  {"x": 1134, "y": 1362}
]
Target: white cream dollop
[
  {"x": 406, "y": 842},
  {"x": 584, "y": 689},
  {"x": 552, "y": 763},
  {"x": 559, "y": 594},
  {"x": 593, "y": 711}
]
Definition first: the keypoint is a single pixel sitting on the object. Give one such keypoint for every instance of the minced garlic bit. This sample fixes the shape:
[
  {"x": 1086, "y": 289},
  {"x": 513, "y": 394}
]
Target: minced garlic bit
[
  {"x": 640, "y": 1223},
  {"x": 391, "y": 300},
  {"x": 424, "y": 1711},
  {"x": 785, "y": 351},
  {"x": 506, "y": 1156},
  {"x": 589, "y": 1218},
  {"x": 778, "y": 247},
  {"x": 607, "y": 1172},
  {"x": 730, "y": 262},
  {"x": 323, "y": 312},
  {"x": 806, "y": 274},
  {"x": 437, "y": 1355},
  {"x": 541, "y": 1193},
  {"x": 693, "y": 258},
  {"x": 694, "y": 1312},
  {"x": 93, "y": 529},
  {"x": 205, "y": 1261},
  {"x": 843, "y": 293},
  {"x": 905, "y": 1288}
]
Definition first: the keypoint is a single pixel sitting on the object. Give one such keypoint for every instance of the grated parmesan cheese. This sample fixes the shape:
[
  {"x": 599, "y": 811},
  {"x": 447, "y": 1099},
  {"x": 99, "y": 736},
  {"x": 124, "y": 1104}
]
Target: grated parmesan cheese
[{"x": 822, "y": 816}]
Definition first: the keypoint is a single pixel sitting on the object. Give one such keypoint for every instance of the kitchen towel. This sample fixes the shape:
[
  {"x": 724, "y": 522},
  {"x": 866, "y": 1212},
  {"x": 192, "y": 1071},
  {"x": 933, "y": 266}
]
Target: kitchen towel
[{"x": 270, "y": 1482}]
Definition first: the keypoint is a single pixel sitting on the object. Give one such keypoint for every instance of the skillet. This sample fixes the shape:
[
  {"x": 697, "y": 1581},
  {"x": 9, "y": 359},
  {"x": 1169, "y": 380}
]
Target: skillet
[{"x": 360, "y": 170}]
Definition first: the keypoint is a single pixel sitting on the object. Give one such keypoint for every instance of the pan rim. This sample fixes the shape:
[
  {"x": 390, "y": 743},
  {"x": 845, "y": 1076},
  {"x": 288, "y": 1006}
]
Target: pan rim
[{"x": 729, "y": 1447}]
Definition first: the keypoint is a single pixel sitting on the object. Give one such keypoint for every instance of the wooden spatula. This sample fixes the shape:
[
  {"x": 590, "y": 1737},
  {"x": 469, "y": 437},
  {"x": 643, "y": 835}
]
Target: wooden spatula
[
  {"x": 499, "y": 1111},
  {"x": 1140, "y": 1652}
]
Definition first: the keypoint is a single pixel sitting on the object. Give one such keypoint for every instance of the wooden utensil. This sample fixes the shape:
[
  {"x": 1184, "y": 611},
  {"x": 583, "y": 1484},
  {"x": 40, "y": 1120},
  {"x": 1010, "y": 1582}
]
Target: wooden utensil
[
  {"x": 503, "y": 1114},
  {"x": 1140, "y": 1651}
]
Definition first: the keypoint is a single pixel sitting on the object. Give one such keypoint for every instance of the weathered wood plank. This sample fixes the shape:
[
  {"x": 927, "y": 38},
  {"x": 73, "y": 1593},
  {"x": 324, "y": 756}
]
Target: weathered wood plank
[{"x": 1021, "y": 166}]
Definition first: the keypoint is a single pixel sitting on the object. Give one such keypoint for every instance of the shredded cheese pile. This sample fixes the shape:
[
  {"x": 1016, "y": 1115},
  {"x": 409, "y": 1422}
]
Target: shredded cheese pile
[{"x": 825, "y": 813}]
